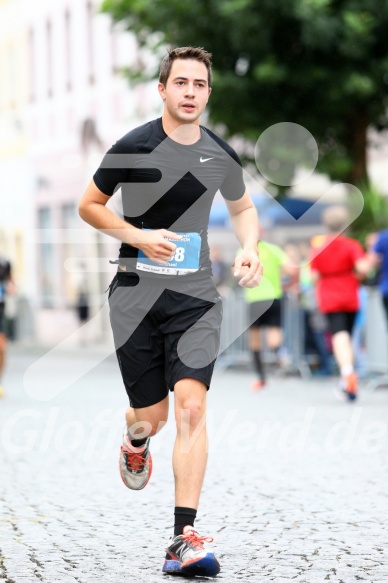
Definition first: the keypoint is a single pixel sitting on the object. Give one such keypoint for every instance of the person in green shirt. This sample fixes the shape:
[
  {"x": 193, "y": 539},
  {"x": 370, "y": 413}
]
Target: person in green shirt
[{"x": 264, "y": 304}]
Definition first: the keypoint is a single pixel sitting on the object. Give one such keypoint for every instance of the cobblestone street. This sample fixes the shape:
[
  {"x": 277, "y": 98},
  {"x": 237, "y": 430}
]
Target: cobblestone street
[{"x": 296, "y": 486}]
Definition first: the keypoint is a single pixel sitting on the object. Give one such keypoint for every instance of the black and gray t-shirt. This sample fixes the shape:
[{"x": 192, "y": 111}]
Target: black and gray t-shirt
[{"x": 167, "y": 185}]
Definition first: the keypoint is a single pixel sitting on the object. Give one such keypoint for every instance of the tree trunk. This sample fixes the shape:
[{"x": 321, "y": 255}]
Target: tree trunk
[{"x": 358, "y": 131}]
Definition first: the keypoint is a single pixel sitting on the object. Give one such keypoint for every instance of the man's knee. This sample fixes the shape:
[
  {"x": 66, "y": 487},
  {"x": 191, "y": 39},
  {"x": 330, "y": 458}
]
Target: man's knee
[
  {"x": 190, "y": 405},
  {"x": 191, "y": 414}
]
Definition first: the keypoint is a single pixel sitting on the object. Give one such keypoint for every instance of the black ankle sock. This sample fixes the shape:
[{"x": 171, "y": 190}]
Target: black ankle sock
[
  {"x": 136, "y": 442},
  {"x": 183, "y": 516},
  {"x": 258, "y": 364}
]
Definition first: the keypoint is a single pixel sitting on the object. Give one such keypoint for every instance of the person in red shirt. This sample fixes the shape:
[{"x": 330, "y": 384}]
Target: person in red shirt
[{"x": 338, "y": 263}]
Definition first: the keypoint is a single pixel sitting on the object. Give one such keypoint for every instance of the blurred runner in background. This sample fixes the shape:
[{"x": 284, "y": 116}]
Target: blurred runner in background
[
  {"x": 379, "y": 260},
  {"x": 266, "y": 301},
  {"x": 337, "y": 264}
]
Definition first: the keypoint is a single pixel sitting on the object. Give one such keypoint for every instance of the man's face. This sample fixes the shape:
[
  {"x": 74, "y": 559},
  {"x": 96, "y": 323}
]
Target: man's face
[{"x": 187, "y": 90}]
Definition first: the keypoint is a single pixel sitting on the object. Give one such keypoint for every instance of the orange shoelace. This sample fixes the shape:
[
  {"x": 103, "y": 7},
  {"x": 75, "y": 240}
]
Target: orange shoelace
[
  {"x": 195, "y": 540},
  {"x": 134, "y": 461}
]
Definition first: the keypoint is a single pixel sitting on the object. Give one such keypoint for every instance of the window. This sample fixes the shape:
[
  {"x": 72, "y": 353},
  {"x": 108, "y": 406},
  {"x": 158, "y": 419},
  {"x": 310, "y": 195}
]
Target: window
[
  {"x": 68, "y": 62},
  {"x": 47, "y": 259},
  {"x": 70, "y": 249},
  {"x": 13, "y": 74},
  {"x": 90, "y": 41},
  {"x": 49, "y": 47},
  {"x": 31, "y": 57},
  {"x": 113, "y": 50},
  {"x": 69, "y": 216}
]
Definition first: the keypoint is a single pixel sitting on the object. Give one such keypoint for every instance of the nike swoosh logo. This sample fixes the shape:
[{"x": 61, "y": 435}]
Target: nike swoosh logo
[{"x": 205, "y": 159}]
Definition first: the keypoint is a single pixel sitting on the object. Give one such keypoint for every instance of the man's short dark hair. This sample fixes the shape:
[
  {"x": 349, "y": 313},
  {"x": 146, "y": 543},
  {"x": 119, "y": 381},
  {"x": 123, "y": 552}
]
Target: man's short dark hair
[
  {"x": 335, "y": 218},
  {"x": 196, "y": 53}
]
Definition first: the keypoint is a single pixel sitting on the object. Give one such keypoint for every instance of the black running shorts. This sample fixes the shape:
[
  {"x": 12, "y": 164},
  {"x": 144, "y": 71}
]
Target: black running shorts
[
  {"x": 341, "y": 321},
  {"x": 270, "y": 311},
  {"x": 163, "y": 335}
]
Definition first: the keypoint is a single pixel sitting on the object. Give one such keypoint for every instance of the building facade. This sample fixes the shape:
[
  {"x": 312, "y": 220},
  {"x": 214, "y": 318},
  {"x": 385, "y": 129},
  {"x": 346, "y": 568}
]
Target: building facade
[
  {"x": 17, "y": 176},
  {"x": 66, "y": 102}
]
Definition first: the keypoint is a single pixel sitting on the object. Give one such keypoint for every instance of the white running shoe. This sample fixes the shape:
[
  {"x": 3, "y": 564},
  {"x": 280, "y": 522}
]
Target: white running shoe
[
  {"x": 186, "y": 555},
  {"x": 135, "y": 464}
]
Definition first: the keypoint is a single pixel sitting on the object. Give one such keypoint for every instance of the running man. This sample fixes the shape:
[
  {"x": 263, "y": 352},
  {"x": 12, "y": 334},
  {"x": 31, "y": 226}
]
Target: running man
[
  {"x": 264, "y": 304},
  {"x": 338, "y": 263},
  {"x": 379, "y": 258},
  {"x": 164, "y": 307},
  {"x": 5, "y": 279}
]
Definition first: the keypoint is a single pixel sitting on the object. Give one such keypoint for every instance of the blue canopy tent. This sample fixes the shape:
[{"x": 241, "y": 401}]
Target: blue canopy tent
[{"x": 274, "y": 213}]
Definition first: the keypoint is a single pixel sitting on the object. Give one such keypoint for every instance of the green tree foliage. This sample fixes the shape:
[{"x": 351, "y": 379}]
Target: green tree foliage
[
  {"x": 319, "y": 63},
  {"x": 374, "y": 216}
]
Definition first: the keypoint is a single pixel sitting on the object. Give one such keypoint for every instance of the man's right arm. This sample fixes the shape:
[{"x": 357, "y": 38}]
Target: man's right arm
[
  {"x": 93, "y": 210},
  {"x": 362, "y": 263}
]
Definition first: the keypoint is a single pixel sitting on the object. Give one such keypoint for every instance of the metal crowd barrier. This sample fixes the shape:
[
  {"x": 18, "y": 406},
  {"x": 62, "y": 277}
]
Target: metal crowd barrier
[
  {"x": 234, "y": 349},
  {"x": 376, "y": 339},
  {"x": 293, "y": 325}
]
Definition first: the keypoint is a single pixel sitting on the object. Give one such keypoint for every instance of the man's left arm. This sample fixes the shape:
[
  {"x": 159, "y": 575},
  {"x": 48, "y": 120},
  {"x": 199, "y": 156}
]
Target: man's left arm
[{"x": 245, "y": 224}]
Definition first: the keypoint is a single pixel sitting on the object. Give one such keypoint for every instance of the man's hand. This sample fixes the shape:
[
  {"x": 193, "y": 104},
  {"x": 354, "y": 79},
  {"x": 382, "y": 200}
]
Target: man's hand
[
  {"x": 154, "y": 244},
  {"x": 248, "y": 265}
]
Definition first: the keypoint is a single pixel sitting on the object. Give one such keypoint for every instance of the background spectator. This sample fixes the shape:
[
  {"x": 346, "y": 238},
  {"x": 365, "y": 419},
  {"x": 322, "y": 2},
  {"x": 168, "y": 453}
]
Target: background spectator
[
  {"x": 315, "y": 322},
  {"x": 219, "y": 268},
  {"x": 5, "y": 284}
]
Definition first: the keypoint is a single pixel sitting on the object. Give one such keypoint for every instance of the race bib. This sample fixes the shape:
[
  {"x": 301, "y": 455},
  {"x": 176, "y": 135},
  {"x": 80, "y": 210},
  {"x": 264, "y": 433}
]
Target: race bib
[{"x": 185, "y": 260}]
